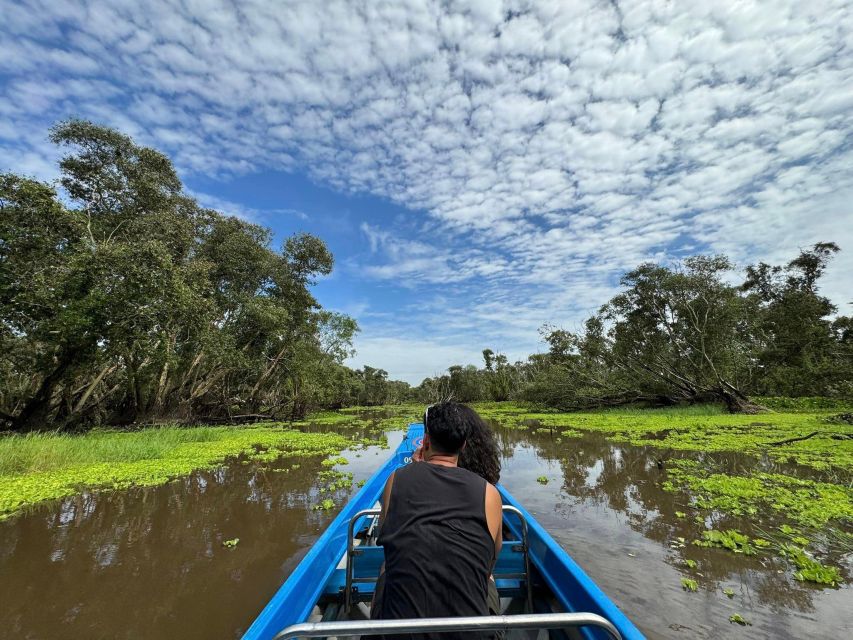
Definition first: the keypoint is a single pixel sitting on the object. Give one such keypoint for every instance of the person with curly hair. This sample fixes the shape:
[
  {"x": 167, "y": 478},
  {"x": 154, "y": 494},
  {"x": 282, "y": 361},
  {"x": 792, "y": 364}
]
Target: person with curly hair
[{"x": 441, "y": 523}]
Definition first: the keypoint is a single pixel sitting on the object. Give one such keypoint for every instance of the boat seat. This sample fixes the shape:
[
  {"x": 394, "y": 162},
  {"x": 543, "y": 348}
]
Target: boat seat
[{"x": 357, "y": 579}]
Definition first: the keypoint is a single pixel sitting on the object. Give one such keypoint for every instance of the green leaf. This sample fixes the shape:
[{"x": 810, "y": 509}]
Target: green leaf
[
  {"x": 739, "y": 619},
  {"x": 230, "y": 544}
]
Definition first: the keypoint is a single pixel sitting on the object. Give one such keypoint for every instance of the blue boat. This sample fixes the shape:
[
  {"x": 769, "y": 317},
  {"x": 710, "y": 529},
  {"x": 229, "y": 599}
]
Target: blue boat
[{"x": 541, "y": 587}]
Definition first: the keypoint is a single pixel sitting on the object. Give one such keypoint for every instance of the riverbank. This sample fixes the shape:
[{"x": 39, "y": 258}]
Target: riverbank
[
  {"x": 40, "y": 467},
  {"x": 778, "y": 485},
  {"x": 689, "y": 522}
]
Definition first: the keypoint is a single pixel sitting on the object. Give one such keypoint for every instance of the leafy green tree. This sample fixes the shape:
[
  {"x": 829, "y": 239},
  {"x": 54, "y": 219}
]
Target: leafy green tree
[
  {"x": 799, "y": 352},
  {"x": 134, "y": 303}
]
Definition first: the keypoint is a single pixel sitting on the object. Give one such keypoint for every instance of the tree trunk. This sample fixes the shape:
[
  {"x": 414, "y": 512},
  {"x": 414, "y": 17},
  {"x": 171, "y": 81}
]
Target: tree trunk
[{"x": 37, "y": 409}]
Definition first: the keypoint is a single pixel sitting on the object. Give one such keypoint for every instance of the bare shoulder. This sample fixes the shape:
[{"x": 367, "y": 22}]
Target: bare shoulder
[{"x": 493, "y": 497}]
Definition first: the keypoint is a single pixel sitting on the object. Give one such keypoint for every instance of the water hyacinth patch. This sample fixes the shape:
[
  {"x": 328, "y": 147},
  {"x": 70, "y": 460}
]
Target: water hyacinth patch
[
  {"x": 732, "y": 540},
  {"x": 807, "y": 502},
  {"x": 809, "y": 569},
  {"x": 325, "y": 505},
  {"x": 39, "y": 468},
  {"x": 739, "y": 619},
  {"x": 688, "y": 584}
]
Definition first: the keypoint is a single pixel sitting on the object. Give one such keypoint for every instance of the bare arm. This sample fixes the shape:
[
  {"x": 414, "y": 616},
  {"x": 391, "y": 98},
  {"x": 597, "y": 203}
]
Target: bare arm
[
  {"x": 494, "y": 516},
  {"x": 386, "y": 498}
]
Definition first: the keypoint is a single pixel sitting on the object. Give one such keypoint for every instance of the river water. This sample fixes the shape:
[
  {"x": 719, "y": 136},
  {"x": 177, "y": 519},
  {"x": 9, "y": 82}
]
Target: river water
[{"x": 149, "y": 562}]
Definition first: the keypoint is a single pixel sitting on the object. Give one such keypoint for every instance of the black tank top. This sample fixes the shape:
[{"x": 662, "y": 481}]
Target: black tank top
[{"x": 438, "y": 548}]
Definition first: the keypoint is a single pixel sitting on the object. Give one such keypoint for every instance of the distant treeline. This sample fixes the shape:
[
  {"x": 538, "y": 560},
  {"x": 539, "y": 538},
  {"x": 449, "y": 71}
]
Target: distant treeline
[
  {"x": 125, "y": 301},
  {"x": 683, "y": 334}
]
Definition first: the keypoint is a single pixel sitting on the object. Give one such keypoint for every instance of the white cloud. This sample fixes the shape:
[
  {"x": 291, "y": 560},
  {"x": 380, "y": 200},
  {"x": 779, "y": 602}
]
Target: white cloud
[
  {"x": 552, "y": 143},
  {"x": 412, "y": 360},
  {"x": 249, "y": 214}
]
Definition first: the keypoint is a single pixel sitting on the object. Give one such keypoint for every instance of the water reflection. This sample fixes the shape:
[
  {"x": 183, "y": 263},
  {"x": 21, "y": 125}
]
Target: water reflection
[
  {"x": 604, "y": 503},
  {"x": 149, "y": 563}
]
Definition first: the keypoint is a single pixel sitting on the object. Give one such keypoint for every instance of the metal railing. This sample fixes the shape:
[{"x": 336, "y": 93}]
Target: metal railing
[
  {"x": 435, "y": 625},
  {"x": 525, "y": 549},
  {"x": 351, "y": 552}
]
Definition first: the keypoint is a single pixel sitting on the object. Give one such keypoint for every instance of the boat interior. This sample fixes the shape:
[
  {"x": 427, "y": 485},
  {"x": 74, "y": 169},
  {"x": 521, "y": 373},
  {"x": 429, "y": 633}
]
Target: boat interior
[{"x": 349, "y": 591}]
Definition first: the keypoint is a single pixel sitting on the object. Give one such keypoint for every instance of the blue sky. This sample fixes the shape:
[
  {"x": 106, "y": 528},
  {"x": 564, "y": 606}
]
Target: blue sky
[{"x": 478, "y": 168}]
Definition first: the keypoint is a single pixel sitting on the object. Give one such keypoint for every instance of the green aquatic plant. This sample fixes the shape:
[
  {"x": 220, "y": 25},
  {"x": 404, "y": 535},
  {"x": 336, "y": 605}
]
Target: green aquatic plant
[
  {"x": 680, "y": 514},
  {"x": 809, "y": 569},
  {"x": 703, "y": 428},
  {"x": 690, "y": 564},
  {"x": 325, "y": 505},
  {"x": 571, "y": 433},
  {"x": 688, "y": 584},
  {"x": 729, "y": 592},
  {"x": 733, "y": 540},
  {"x": 230, "y": 544},
  {"x": 331, "y": 462},
  {"x": 38, "y": 468},
  {"x": 739, "y": 619},
  {"x": 542, "y": 480},
  {"x": 806, "y": 502}
]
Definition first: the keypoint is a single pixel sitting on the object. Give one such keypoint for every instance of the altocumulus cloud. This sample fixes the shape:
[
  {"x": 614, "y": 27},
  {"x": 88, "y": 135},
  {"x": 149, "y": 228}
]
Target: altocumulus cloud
[{"x": 551, "y": 143}]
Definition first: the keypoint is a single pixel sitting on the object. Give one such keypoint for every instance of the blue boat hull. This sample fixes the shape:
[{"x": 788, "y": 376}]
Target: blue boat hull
[{"x": 317, "y": 574}]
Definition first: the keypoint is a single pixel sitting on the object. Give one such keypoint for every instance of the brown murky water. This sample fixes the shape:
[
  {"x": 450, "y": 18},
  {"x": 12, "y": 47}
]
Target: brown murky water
[{"x": 149, "y": 563}]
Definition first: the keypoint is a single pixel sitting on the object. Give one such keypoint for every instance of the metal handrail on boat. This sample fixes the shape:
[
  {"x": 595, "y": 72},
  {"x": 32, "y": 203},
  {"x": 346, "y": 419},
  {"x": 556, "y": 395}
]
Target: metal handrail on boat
[
  {"x": 472, "y": 623},
  {"x": 528, "y": 581},
  {"x": 350, "y": 552},
  {"x": 377, "y": 511}
]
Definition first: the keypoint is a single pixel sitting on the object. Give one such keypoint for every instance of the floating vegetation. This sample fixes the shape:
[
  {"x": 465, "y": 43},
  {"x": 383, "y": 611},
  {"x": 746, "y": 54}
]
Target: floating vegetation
[
  {"x": 733, "y": 540},
  {"x": 37, "y": 468},
  {"x": 690, "y": 564},
  {"x": 336, "y": 480},
  {"x": 688, "y": 584},
  {"x": 739, "y": 619},
  {"x": 707, "y": 428},
  {"x": 806, "y": 502},
  {"x": 542, "y": 480},
  {"x": 571, "y": 433},
  {"x": 680, "y": 514},
  {"x": 230, "y": 544},
  {"x": 729, "y": 592},
  {"x": 325, "y": 505},
  {"x": 331, "y": 462},
  {"x": 809, "y": 569}
]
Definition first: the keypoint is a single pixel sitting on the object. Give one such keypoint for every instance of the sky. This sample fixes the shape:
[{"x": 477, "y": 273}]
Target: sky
[{"x": 478, "y": 168}]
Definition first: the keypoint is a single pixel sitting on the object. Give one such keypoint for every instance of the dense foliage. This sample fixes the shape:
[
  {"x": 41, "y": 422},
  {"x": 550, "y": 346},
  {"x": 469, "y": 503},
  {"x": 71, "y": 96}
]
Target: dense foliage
[
  {"x": 123, "y": 300},
  {"x": 683, "y": 334}
]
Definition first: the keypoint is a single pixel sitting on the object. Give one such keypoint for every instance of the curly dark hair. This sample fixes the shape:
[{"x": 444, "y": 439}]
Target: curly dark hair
[{"x": 480, "y": 454}]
